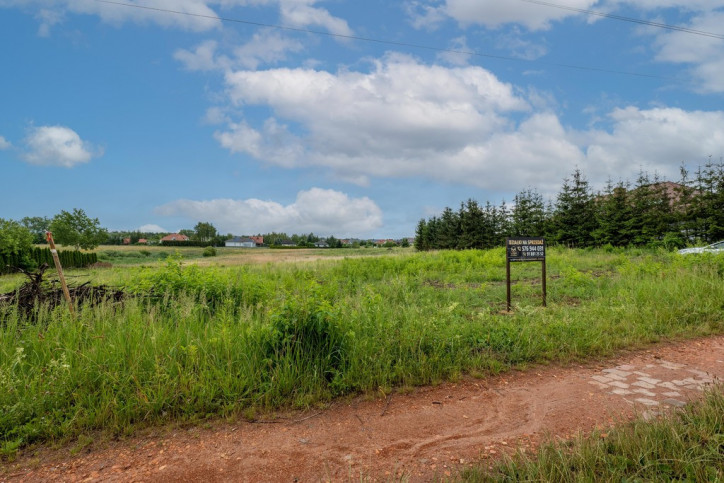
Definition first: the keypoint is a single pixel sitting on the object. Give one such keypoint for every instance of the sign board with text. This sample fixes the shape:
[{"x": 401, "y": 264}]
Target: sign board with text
[{"x": 525, "y": 250}]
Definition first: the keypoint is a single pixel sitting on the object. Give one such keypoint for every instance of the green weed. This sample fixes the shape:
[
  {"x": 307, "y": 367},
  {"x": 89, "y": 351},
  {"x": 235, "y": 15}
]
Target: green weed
[{"x": 217, "y": 342}]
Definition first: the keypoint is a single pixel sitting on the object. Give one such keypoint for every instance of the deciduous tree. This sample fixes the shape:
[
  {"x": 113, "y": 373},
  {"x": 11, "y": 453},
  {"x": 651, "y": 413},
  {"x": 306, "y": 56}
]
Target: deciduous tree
[{"x": 78, "y": 230}]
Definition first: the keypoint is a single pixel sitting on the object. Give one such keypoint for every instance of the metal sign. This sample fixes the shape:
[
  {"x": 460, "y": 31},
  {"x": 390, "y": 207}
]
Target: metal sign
[{"x": 525, "y": 250}]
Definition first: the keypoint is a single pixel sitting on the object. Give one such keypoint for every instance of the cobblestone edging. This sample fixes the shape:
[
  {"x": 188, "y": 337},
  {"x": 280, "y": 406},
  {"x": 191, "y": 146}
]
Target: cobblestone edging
[{"x": 663, "y": 383}]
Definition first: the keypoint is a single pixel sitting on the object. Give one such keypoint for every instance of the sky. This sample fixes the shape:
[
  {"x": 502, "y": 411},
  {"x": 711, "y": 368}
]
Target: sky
[{"x": 341, "y": 117}]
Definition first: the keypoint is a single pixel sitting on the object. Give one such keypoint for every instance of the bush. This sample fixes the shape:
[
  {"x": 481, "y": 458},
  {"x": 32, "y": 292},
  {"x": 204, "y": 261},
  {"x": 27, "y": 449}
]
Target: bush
[{"x": 209, "y": 252}]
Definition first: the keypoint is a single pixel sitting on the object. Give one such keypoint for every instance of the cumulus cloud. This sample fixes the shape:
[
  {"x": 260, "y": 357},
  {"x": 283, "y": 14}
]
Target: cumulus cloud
[
  {"x": 321, "y": 211},
  {"x": 387, "y": 122},
  {"x": 460, "y": 125},
  {"x": 150, "y": 228},
  {"x": 655, "y": 139},
  {"x": 4, "y": 143},
  {"x": 57, "y": 146}
]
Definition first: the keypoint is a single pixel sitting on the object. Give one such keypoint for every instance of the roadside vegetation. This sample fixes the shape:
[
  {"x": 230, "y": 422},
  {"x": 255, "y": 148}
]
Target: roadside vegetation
[
  {"x": 194, "y": 342},
  {"x": 685, "y": 445}
]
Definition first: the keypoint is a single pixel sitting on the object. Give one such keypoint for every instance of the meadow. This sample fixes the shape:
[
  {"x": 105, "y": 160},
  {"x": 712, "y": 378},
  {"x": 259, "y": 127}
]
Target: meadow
[{"x": 240, "y": 334}]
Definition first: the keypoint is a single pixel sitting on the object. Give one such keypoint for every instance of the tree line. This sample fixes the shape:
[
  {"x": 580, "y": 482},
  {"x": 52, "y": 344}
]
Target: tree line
[{"x": 648, "y": 212}]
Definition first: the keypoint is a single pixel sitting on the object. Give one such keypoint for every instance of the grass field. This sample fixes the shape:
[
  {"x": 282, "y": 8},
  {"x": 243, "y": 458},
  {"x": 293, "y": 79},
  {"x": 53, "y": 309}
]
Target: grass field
[{"x": 233, "y": 335}]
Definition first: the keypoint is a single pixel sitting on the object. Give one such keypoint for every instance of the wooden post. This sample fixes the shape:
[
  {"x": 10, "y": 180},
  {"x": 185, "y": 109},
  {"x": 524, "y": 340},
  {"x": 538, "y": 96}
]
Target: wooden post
[
  {"x": 54, "y": 252},
  {"x": 507, "y": 278},
  {"x": 543, "y": 282}
]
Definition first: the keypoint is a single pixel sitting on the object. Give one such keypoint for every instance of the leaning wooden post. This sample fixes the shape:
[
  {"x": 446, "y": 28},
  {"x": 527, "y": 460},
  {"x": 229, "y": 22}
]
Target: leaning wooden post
[{"x": 54, "y": 252}]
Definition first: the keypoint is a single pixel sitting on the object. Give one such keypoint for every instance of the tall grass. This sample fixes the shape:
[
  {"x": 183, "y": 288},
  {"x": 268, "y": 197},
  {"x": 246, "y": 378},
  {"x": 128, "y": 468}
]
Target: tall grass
[{"x": 216, "y": 342}]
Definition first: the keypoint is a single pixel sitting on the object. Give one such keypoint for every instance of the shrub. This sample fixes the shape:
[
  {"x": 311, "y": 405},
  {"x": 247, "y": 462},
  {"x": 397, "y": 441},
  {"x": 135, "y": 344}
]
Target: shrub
[{"x": 209, "y": 252}]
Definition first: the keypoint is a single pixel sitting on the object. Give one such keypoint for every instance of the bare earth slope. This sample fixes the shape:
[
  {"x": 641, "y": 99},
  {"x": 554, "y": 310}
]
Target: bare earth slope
[{"x": 429, "y": 432}]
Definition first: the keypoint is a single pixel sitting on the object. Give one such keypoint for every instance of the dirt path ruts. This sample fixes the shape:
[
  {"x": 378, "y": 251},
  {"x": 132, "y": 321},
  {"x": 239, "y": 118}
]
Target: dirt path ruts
[{"x": 429, "y": 432}]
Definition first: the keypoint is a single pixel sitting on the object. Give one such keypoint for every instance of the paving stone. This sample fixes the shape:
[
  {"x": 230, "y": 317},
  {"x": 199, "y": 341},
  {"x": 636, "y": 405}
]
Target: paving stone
[
  {"x": 671, "y": 365},
  {"x": 621, "y": 392},
  {"x": 674, "y": 402},
  {"x": 647, "y": 402},
  {"x": 671, "y": 394},
  {"x": 650, "y": 380},
  {"x": 645, "y": 392},
  {"x": 616, "y": 372},
  {"x": 639, "y": 373},
  {"x": 678, "y": 383},
  {"x": 615, "y": 377},
  {"x": 703, "y": 374},
  {"x": 602, "y": 379},
  {"x": 669, "y": 385},
  {"x": 643, "y": 384},
  {"x": 690, "y": 380}
]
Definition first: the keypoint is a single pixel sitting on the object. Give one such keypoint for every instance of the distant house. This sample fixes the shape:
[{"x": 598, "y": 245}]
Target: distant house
[
  {"x": 321, "y": 244},
  {"x": 126, "y": 241},
  {"x": 287, "y": 243},
  {"x": 175, "y": 237},
  {"x": 240, "y": 242},
  {"x": 142, "y": 241},
  {"x": 259, "y": 240}
]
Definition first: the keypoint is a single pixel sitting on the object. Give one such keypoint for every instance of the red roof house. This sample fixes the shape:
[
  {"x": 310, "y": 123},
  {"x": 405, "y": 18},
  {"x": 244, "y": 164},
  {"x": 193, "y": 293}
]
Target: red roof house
[{"x": 175, "y": 237}]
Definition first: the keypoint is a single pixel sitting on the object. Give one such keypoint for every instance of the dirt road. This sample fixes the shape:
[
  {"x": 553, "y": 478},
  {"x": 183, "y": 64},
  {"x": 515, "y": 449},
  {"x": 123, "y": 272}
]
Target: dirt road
[{"x": 428, "y": 432}]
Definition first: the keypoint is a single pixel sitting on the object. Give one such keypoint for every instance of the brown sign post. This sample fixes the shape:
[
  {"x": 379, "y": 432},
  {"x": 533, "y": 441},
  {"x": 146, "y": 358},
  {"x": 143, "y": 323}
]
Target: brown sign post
[{"x": 525, "y": 250}]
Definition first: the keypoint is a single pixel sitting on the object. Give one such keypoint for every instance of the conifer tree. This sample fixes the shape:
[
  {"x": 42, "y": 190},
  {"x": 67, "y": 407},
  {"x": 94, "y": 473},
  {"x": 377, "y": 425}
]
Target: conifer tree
[
  {"x": 574, "y": 218},
  {"x": 528, "y": 214}
]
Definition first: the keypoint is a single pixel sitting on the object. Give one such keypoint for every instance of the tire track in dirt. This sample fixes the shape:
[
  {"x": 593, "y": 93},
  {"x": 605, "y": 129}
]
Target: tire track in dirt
[{"x": 432, "y": 431}]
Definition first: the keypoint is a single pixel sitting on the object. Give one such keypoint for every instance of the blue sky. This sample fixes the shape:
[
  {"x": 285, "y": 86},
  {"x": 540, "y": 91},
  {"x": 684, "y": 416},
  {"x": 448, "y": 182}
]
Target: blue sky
[{"x": 157, "y": 120}]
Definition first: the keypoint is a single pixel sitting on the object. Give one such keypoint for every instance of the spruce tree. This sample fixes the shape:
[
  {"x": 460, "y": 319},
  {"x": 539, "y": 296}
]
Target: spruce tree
[{"x": 574, "y": 218}]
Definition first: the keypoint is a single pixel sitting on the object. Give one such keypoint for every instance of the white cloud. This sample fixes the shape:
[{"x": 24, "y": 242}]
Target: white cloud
[
  {"x": 273, "y": 143},
  {"x": 57, "y": 146},
  {"x": 492, "y": 13},
  {"x": 457, "y": 125},
  {"x": 300, "y": 13},
  {"x": 52, "y": 12},
  {"x": 704, "y": 54},
  {"x": 150, "y": 228},
  {"x": 265, "y": 47},
  {"x": 4, "y": 143},
  {"x": 655, "y": 140},
  {"x": 193, "y": 15},
  {"x": 495, "y": 13},
  {"x": 202, "y": 58},
  {"x": 321, "y": 211}
]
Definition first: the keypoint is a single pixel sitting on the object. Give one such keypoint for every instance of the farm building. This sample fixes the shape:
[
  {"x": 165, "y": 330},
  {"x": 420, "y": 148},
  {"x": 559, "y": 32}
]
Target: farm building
[{"x": 240, "y": 242}]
